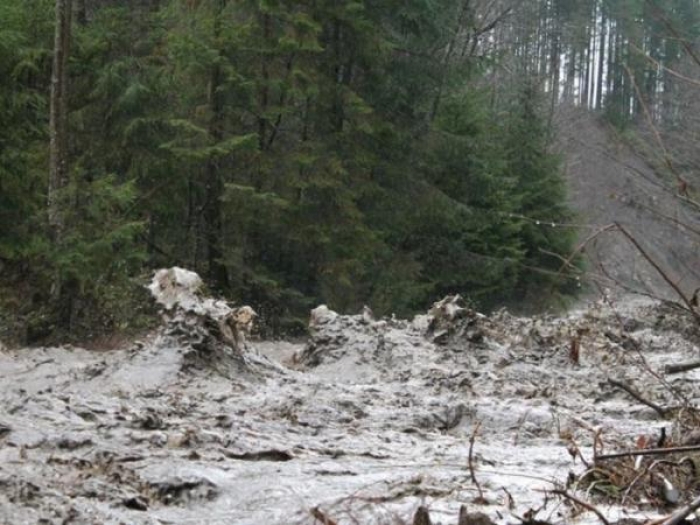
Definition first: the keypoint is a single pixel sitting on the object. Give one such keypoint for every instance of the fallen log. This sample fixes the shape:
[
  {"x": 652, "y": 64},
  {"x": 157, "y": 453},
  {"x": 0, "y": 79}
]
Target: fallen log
[{"x": 681, "y": 367}]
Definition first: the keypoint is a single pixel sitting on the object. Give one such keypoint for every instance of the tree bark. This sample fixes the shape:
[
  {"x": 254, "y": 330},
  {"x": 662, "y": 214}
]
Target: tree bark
[
  {"x": 214, "y": 182},
  {"x": 58, "y": 121},
  {"x": 81, "y": 12},
  {"x": 63, "y": 291},
  {"x": 601, "y": 59},
  {"x": 264, "y": 89},
  {"x": 445, "y": 65}
]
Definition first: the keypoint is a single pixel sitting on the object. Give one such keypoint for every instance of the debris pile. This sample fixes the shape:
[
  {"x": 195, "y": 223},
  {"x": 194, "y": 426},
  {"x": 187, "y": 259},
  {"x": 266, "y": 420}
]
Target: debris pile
[
  {"x": 449, "y": 319},
  {"x": 211, "y": 334},
  {"x": 532, "y": 420},
  {"x": 656, "y": 471}
]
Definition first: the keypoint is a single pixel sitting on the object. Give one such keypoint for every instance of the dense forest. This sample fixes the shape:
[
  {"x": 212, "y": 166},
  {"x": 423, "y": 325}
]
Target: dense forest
[{"x": 299, "y": 152}]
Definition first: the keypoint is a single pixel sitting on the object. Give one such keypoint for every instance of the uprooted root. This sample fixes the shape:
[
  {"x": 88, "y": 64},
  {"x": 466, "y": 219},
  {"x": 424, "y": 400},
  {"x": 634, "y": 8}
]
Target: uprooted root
[{"x": 645, "y": 480}]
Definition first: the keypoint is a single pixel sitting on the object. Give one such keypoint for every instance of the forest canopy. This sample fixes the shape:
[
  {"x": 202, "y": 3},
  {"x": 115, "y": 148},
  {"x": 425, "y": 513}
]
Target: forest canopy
[{"x": 296, "y": 152}]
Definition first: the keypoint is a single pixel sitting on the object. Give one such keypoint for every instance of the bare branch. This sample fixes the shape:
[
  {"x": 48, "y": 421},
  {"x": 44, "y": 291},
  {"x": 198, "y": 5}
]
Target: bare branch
[
  {"x": 636, "y": 395},
  {"x": 584, "y": 504}
]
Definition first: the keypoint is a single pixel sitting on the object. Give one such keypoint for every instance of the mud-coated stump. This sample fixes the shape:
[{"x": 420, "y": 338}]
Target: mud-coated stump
[
  {"x": 473, "y": 518},
  {"x": 421, "y": 517}
]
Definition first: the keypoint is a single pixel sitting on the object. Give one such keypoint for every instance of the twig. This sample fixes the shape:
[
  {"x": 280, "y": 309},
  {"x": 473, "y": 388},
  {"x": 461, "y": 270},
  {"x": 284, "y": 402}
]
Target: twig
[
  {"x": 668, "y": 161},
  {"x": 663, "y": 412},
  {"x": 582, "y": 503},
  {"x": 472, "y": 439},
  {"x": 659, "y": 270},
  {"x": 649, "y": 452},
  {"x": 597, "y": 441},
  {"x": 659, "y": 65},
  {"x": 510, "y": 502},
  {"x": 568, "y": 261}
]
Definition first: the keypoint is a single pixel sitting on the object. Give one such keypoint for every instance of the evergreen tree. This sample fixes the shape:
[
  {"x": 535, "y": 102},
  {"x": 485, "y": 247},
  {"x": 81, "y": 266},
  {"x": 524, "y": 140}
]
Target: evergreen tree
[
  {"x": 540, "y": 195},
  {"x": 292, "y": 152},
  {"x": 25, "y": 51}
]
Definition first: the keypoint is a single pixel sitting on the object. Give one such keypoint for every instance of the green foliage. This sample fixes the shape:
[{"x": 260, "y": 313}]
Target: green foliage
[
  {"x": 24, "y": 68},
  {"x": 541, "y": 199},
  {"x": 292, "y": 152}
]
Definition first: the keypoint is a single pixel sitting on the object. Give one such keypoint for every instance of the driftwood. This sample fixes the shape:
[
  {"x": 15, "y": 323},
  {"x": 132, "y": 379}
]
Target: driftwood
[
  {"x": 472, "y": 440},
  {"x": 681, "y": 367}
]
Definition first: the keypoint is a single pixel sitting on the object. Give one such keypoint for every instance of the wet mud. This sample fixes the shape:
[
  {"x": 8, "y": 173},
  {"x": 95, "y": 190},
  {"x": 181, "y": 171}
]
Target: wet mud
[{"x": 364, "y": 423}]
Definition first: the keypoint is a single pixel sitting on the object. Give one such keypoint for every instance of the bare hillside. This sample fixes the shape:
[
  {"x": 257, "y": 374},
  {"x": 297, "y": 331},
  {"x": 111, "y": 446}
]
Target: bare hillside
[{"x": 610, "y": 183}]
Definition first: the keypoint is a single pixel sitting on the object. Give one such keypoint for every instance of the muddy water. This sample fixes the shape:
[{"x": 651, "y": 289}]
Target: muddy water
[{"x": 367, "y": 422}]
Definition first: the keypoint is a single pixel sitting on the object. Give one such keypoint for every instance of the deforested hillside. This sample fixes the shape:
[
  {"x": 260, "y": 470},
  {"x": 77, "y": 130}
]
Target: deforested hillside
[{"x": 613, "y": 179}]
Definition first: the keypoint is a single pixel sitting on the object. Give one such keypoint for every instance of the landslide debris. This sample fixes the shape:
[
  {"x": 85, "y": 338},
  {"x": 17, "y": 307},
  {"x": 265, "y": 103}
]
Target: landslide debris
[
  {"x": 209, "y": 334},
  {"x": 367, "y": 422}
]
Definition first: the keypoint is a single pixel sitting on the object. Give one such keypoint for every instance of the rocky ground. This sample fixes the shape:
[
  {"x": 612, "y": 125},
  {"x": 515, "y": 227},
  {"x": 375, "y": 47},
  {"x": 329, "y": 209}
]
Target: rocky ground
[{"x": 365, "y": 423}]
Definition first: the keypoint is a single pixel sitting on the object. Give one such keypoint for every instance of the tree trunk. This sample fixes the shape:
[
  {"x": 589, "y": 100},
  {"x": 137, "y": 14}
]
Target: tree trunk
[
  {"x": 80, "y": 12},
  {"x": 214, "y": 182},
  {"x": 264, "y": 89},
  {"x": 58, "y": 121},
  {"x": 601, "y": 59},
  {"x": 445, "y": 65},
  {"x": 62, "y": 290}
]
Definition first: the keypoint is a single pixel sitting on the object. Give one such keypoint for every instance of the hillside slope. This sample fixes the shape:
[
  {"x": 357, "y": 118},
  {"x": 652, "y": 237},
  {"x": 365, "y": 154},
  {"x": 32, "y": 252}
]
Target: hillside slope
[{"x": 609, "y": 182}]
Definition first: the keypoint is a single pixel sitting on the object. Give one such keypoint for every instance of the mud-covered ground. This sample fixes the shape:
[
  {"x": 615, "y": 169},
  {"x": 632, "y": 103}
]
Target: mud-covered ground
[{"x": 363, "y": 424}]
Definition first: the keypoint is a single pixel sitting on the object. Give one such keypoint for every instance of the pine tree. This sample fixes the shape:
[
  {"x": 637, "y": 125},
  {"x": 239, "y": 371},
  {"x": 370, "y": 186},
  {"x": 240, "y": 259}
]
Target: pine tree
[{"x": 541, "y": 198}]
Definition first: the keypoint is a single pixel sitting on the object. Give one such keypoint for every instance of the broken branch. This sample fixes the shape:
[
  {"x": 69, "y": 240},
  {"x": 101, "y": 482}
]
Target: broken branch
[
  {"x": 636, "y": 395},
  {"x": 582, "y": 503},
  {"x": 649, "y": 452},
  {"x": 472, "y": 439}
]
